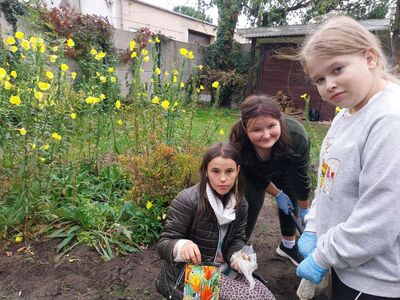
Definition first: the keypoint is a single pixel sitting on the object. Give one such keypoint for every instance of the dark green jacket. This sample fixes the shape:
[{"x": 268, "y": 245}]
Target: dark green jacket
[
  {"x": 183, "y": 223},
  {"x": 293, "y": 164}
]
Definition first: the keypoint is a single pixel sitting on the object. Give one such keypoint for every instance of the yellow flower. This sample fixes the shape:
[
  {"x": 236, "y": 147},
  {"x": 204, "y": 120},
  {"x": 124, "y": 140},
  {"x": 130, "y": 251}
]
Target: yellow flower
[
  {"x": 9, "y": 41},
  {"x": 19, "y": 35},
  {"x": 15, "y": 100},
  {"x": 182, "y": 85},
  {"x": 64, "y": 67},
  {"x": 174, "y": 79},
  {"x": 100, "y": 55},
  {"x": 166, "y": 73},
  {"x": 149, "y": 205},
  {"x": 49, "y": 75},
  {"x": 305, "y": 97},
  {"x": 200, "y": 67},
  {"x": 221, "y": 132},
  {"x": 146, "y": 58},
  {"x": 110, "y": 70},
  {"x": 201, "y": 87},
  {"x": 73, "y": 75},
  {"x": 133, "y": 55},
  {"x": 338, "y": 109},
  {"x": 158, "y": 40},
  {"x": 55, "y": 49},
  {"x": 13, "y": 74},
  {"x": 92, "y": 100},
  {"x": 103, "y": 79},
  {"x": 158, "y": 218},
  {"x": 117, "y": 104},
  {"x": 19, "y": 239},
  {"x": 56, "y": 136},
  {"x": 13, "y": 49},
  {"x": 44, "y": 86},
  {"x": 215, "y": 84},
  {"x": 38, "y": 95},
  {"x": 25, "y": 44},
  {"x": 93, "y": 51},
  {"x": 3, "y": 73},
  {"x": 102, "y": 96},
  {"x": 175, "y": 72},
  {"x": 150, "y": 41},
  {"x": 7, "y": 85},
  {"x": 165, "y": 104},
  {"x": 42, "y": 48},
  {"x": 155, "y": 100},
  {"x": 33, "y": 146},
  {"x": 164, "y": 216},
  {"x": 132, "y": 45},
  {"x": 53, "y": 58},
  {"x": 113, "y": 79},
  {"x": 157, "y": 71},
  {"x": 46, "y": 146},
  {"x": 183, "y": 51},
  {"x": 198, "y": 91},
  {"x": 145, "y": 52},
  {"x": 119, "y": 122},
  {"x": 70, "y": 43},
  {"x": 42, "y": 159},
  {"x": 191, "y": 55},
  {"x": 22, "y": 131},
  {"x": 73, "y": 116}
]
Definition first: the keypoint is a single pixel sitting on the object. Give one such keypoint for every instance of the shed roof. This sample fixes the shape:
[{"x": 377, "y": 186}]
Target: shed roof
[{"x": 303, "y": 29}]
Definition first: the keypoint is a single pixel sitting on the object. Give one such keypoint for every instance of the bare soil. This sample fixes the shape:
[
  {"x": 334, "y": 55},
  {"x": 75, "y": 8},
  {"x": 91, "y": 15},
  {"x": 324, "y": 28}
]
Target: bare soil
[{"x": 32, "y": 272}]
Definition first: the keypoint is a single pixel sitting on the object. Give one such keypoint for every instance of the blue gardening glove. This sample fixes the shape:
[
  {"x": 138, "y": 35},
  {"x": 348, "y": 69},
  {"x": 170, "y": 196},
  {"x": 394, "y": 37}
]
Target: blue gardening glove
[
  {"x": 303, "y": 212},
  {"x": 307, "y": 243},
  {"x": 282, "y": 200},
  {"x": 310, "y": 270}
]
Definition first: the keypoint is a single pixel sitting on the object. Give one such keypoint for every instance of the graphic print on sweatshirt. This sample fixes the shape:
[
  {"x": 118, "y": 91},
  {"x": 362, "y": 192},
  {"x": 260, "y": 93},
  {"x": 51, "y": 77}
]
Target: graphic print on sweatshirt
[{"x": 329, "y": 168}]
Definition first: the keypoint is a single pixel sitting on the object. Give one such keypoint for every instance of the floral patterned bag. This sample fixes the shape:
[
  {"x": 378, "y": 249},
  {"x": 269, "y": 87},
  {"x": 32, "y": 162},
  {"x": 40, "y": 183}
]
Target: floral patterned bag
[{"x": 202, "y": 281}]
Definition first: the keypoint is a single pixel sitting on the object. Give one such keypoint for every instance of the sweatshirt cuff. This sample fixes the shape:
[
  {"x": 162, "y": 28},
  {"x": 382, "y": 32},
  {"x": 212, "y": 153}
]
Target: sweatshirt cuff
[
  {"x": 177, "y": 253},
  {"x": 319, "y": 260}
]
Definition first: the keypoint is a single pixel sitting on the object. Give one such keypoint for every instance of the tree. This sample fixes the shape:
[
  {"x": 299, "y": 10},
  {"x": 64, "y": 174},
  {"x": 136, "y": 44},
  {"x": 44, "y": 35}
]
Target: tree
[
  {"x": 280, "y": 12},
  {"x": 192, "y": 12}
]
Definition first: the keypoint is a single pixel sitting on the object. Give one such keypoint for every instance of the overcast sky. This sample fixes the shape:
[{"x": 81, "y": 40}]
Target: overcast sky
[{"x": 213, "y": 13}]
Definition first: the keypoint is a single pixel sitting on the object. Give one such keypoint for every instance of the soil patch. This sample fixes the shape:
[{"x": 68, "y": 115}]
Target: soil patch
[{"x": 32, "y": 273}]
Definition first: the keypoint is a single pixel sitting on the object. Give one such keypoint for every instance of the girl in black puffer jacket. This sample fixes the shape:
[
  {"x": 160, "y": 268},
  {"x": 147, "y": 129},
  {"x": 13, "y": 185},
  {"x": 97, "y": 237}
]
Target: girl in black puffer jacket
[{"x": 207, "y": 223}]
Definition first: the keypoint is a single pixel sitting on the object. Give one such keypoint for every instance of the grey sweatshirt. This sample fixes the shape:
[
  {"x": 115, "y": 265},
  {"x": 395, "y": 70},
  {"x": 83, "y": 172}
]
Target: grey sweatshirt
[{"x": 356, "y": 211}]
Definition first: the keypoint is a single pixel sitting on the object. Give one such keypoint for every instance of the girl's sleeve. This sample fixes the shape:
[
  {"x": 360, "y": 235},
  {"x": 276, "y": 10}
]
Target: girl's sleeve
[
  {"x": 177, "y": 225},
  {"x": 299, "y": 164},
  {"x": 373, "y": 227}
]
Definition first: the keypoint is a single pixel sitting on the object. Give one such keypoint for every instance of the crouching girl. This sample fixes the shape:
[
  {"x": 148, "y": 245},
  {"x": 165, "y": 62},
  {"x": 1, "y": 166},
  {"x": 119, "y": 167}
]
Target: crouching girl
[{"x": 207, "y": 223}]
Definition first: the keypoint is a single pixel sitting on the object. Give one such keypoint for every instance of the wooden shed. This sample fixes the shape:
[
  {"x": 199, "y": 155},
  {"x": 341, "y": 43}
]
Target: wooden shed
[{"x": 271, "y": 72}]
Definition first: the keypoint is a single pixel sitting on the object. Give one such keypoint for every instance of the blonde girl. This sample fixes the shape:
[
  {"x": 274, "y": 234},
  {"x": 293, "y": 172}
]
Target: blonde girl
[{"x": 353, "y": 226}]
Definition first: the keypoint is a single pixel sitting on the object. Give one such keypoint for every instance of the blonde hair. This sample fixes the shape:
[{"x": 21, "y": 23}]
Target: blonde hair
[{"x": 342, "y": 35}]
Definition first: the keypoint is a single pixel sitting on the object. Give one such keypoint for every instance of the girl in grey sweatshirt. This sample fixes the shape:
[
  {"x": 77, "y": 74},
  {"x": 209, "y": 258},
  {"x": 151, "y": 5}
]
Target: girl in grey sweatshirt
[{"x": 354, "y": 226}]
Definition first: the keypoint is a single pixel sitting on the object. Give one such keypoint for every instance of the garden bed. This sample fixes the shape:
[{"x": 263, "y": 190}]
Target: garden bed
[{"x": 82, "y": 274}]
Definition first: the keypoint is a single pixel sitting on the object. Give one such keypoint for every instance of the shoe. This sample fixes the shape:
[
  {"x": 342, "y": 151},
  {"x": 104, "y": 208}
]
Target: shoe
[{"x": 293, "y": 254}]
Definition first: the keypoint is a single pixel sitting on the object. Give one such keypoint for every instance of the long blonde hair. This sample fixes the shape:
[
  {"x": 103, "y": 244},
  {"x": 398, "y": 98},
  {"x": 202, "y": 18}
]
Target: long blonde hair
[{"x": 342, "y": 35}]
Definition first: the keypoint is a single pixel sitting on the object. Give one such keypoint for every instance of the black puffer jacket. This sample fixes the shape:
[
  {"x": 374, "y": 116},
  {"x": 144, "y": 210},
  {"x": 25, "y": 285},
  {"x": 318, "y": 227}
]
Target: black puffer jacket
[{"x": 183, "y": 223}]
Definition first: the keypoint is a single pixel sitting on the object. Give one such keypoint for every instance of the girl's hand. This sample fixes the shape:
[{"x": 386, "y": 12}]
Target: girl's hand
[
  {"x": 235, "y": 266},
  {"x": 190, "y": 252}
]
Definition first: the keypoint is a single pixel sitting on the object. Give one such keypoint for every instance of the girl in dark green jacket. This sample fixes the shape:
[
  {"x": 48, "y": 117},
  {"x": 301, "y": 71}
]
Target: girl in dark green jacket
[
  {"x": 206, "y": 223},
  {"x": 274, "y": 152}
]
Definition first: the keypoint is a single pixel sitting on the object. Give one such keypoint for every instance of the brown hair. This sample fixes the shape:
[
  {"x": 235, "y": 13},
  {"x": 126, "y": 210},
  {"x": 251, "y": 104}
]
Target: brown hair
[
  {"x": 255, "y": 106},
  {"x": 342, "y": 35},
  {"x": 224, "y": 150}
]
